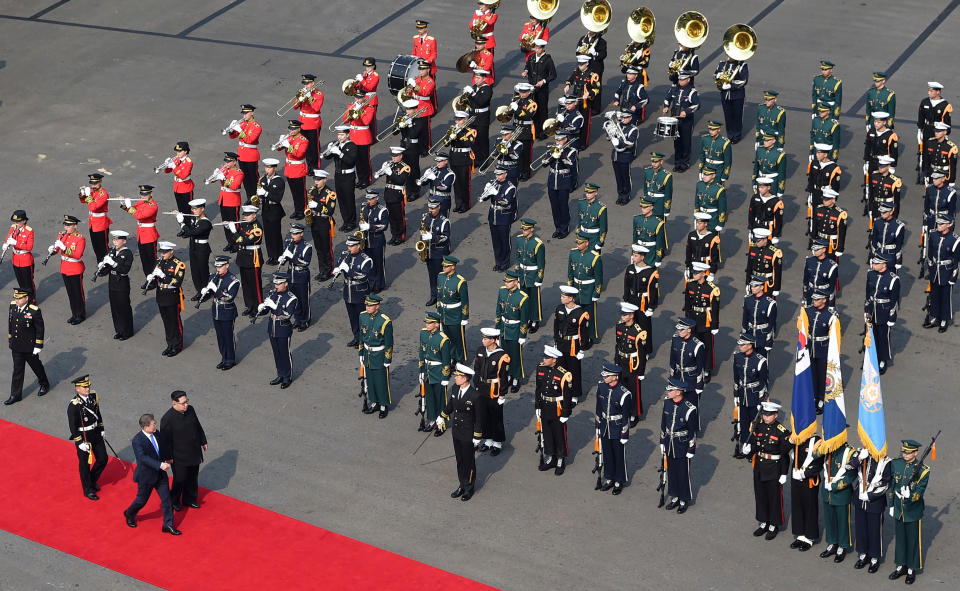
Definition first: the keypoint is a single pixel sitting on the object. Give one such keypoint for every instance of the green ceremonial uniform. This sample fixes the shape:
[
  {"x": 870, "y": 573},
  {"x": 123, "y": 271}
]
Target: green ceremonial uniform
[
  {"x": 716, "y": 153},
  {"x": 825, "y": 131},
  {"x": 531, "y": 262},
  {"x": 881, "y": 100},
  {"x": 827, "y": 90},
  {"x": 585, "y": 272},
  {"x": 434, "y": 364},
  {"x": 836, "y": 500},
  {"x": 658, "y": 189},
  {"x": 652, "y": 233},
  {"x": 712, "y": 198},
  {"x": 376, "y": 353},
  {"x": 908, "y": 511},
  {"x": 770, "y": 162},
  {"x": 592, "y": 220},
  {"x": 771, "y": 120},
  {"x": 511, "y": 318},
  {"x": 453, "y": 305}
]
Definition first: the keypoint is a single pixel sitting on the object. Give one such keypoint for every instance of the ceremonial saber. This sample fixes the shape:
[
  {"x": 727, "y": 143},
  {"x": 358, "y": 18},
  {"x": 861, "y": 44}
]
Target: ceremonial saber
[{"x": 429, "y": 433}]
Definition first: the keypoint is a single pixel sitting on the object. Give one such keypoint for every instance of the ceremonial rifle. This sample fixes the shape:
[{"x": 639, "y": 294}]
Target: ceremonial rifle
[
  {"x": 598, "y": 461},
  {"x": 736, "y": 425},
  {"x": 363, "y": 387},
  {"x": 662, "y": 476},
  {"x": 916, "y": 468}
]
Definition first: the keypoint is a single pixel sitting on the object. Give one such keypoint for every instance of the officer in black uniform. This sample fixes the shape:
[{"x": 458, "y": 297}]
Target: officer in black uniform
[
  {"x": 375, "y": 218},
  {"x": 873, "y": 481},
  {"x": 462, "y": 159},
  {"x": 197, "y": 228},
  {"x": 222, "y": 287},
  {"x": 821, "y": 172},
  {"x": 702, "y": 304},
  {"x": 614, "y": 407},
  {"x": 412, "y": 130},
  {"x": 269, "y": 196},
  {"x": 492, "y": 367},
  {"x": 297, "y": 254},
  {"x": 479, "y": 96},
  {"x": 437, "y": 237},
  {"x": 633, "y": 348},
  {"x": 167, "y": 279},
  {"x": 593, "y": 46},
  {"x": 117, "y": 264},
  {"x": 678, "y": 442},
  {"x": 461, "y": 413},
  {"x": 249, "y": 235},
  {"x": 25, "y": 337},
  {"x": 584, "y": 85},
  {"x": 540, "y": 72},
  {"x": 394, "y": 193},
  {"x": 356, "y": 268},
  {"x": 572, "y": 335},
  {"x": 881, "y": 305},
  {"x": 805, "y": 492},
  {"x": 766, "y": 260},
  {"x": 641, "y": 287},
  {"x": 553, "y": 405},
  {"x": 86, "y": 432},
  {"x": 344, "y": 156},
  {"x": 819, "y": 318},
  {"x": 703, "y": 245},
  {"x": 751, "y": 383},
  {"x": 321, "y": 204},
  {"x": 820, "y": 273},
  {"x": 280, "y": 307},
  {"x": 769, "y": 444},
  {"x": 682, "y": 101}
]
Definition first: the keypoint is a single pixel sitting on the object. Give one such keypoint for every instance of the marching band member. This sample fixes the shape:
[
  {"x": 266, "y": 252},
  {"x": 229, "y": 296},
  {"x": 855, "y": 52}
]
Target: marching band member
[
  {"x": 95, "y": 197},
  {"x": 295, "y": 148},
  {"x": 247, "y": 133},
  {"x": 309, "y": 101}
]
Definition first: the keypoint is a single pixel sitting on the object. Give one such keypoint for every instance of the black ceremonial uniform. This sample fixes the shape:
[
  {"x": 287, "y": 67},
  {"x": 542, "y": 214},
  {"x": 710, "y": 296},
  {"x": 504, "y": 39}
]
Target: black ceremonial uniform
[
  {"x": 818, "y": 344},
  {"x": 410, "y": 141},
  {"x": 819, "y": 176},
  {"x": 766, "y": 212},
  {"x": 461, "y": 163},
  {"x": 379, "y": 218},
  {"x": 770, "y": 446},
  {"x": 272, "y": 212},
  {"x": 703, "y": 248},
  {"x": 633, "y": 347},
  {"x": 942, "y": 156},
  {"x": 928, "y": 114},
  {"x": 119, "y": 291},
  {"x": 579, "y": 81},
  {"x": 461, "y": 414},
  {"x": 438, "y": 246},
  {"x": 86, "y": 426},
  {"x": 702, "y": 303},
  {"x": 888, "y": 238},
  {"x": 356, "y": 286},
  {"x": 883, "y": 188},
  {"x": 223, "y": 290},
  {"x": 684, "y": 100},
  {"x": 25, "y": 333},
  {"x": 480, "y": 107},
  {"x": 687, "y": 361},
  {"x": 805, "y": 490},
  {"x": 572, "y": 335},
  {"x": 760, "y": 319},
  {"x": 345, "y": 183},
  {"x": 249, "y": 260},
  {"x": 678, "y": 439},
  {"x": 597, "y": 50},
  {"x": 873, "y": 481},
  {"x": 320, "y": 220},
  {"x": 767, "y": 261},
  {"x": 614, "y": 408},
  {"x": 198, "y": 230},
  {"x": 633, "y": 97},
  {"x": 820, "y": 275},
  {"x": 880, "y": 308},
  {"x": 537, "y": 68},
  {"x": 394, "y": 197},
  {"x": 280, "y": 331},
  {"x": 170, "y": 300},
  {"x": 491, "y": 377},
  {"x": 552, "y": 402}
]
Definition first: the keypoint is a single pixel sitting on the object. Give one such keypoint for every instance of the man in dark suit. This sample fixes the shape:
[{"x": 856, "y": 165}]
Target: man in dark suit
[
  {"x": 184, "y": 441},
  {"x": 150, "y": 474}
]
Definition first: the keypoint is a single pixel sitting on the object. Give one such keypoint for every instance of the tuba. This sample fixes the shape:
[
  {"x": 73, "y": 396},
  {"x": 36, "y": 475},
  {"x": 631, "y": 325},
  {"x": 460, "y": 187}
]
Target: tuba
[
  {"x": 550, "y": 127},
  {"x": 642, "y": 29},
  {"x": 543, "y": 11},
  {"x": 349, "y": 87},
  {"x": 595, "y": 15},
  {"x": 461, "y": 103},
  {"x": 740, "y": 44},
  {"x": 691, "y": 29},
  {"x": 423, "y": 246}
]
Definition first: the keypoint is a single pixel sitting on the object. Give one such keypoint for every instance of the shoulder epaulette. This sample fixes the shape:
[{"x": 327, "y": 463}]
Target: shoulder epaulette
[
  {"x": 781, "y": 427},
  {"x": 34, "y": 307}
]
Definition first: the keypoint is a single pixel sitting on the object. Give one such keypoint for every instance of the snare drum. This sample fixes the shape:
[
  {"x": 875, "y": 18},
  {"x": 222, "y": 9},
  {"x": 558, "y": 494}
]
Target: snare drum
[
  {"x": 405, "y": 66},
  {"x": 667, "y": 127}
]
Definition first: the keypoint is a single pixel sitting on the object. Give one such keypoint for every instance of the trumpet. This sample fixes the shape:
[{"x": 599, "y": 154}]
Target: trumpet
[
  {"x": 423, "y": 246},
  {"x": 175, "y": 212},
  {"x": 552, "y": 152},
  {"x": 218, "y": 175},
  {"x": 489, "y": 190},
  {"x": 168, "y": 163},
  {"x": 328, "y": 150},
  {"x": 404, "y": 119},
  {"x": 301, "y": 94},
  {"x": 232, "y": 124},
  {"x": 276, "y": 146},
  {"x": 464, "y": 61},
  {"x": 430, "y": 174},
  {"x": 451, "y": 135}
]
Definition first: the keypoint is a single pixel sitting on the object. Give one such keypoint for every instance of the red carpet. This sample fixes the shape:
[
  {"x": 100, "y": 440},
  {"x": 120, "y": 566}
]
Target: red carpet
[{"x": 228, "y": 544}]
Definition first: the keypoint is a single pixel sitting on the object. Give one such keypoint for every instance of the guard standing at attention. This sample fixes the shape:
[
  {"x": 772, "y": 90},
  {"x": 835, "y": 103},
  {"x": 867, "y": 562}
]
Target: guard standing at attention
[
  {"x": 614, "y": 406},
  {"x": 280, "y": 306},
  {"x": 356, "y": 268},
  {"x": 751, "y": 381},
  {"x": 818, "y": 342},
  {"x": 872, "y": 484},
  {"x": 650, "y": 232},
  {"x": 167, "y": 278},
  {"x": 633, "y": 348},
  {"x": 453, "y": 305},
  {"x": 585, "y": 272},
  {"x": 197, "y": 228},
  {"x": 759, "y": 315},
  {"x": 702, "y": 304},
  {"x": 804, "y": 490},
  {"x": 905, "y": 496},
  {"x": 223, "y": 287},
  {"x": 25, "y": 337},
  {"x": 492, "y": 367},
  {"x": 678, "y": 443},
  {"x": 827, "y": 88},
  {"x": 376, "y": 354},
  {"x": 86, "y": 432},
  {"x": 268, "y": 198},
  {"x": 512, "y": 314},
  {"x": 297, "y": 254},
  {"x": 321, "y": 206},
  {"x": 553, "y": 405},
  {"x": 836, "y": 494},
  {"x": 769, "y": 444},
  {"x": 571, "y": 334},
  {"x": 592, "y": 216},
  {"x": 249, "y": 235},
  {"x": 434, "y": 363},
  {"x": 771, "y": 119},
  {"x": 117, "y": 264},
  {"x": 460, "y": 412},
  {"x": 881, "y": 305},
  {"x": 531, "y": 262}
]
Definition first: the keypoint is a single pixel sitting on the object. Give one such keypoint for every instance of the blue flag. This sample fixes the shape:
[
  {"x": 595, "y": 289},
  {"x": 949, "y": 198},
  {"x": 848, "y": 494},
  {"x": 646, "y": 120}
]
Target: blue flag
[
  {"x": 834, "y": 409},
  {"x": 803, "y": 406},
  {"x": 870, "y": 422}
]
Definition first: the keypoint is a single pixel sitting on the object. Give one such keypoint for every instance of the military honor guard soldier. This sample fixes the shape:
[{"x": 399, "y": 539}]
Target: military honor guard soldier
[
  {"x": 512, "y": 320},
  {"x": 269, "y": 197},
  {"x": 836, "y": 494},
  {"x": 436, "y": 234},
  {"x": 572, "y": 336},
  {"x": 678, "y": 443},
  {"x": 321, "y": 205},
  {"x": 222, "y": 287},
  {"x": 881, "y": 305},
  {"x": 297, "y": 255},
  {"x": 872, "y": 484},
  {"x": 280, "y": 307},
  {"x": 492, "y": 374},
  {"x": 86, "y": 432},
  {"x": 167, "y": 278},
  {"x": 751, "y": 387},
  {"x": 376, "y": 354},
  {"x": 531, "y": 261},
  {"x": 905, "y": 496},
  {"x": 461, "y": 414},
  {"x": 434, "y": 362},
  {"x": 356, "y": 268},
  {"x": 818, "y": 342},
  {"x": 116, "y": 264},
  {"x": 585, "y": 273},
  {"x": 804, "y": 490},
  {"x": 453, "y": 305},
  {"x": 553, "y": 405},
  {"x": 375, "y": 219},
  {"x": 25, "y": 337},
  {"x": 614, "y": 408},
  {"x": 943, "y": 266},
  {"x": 769, "y": 444}
]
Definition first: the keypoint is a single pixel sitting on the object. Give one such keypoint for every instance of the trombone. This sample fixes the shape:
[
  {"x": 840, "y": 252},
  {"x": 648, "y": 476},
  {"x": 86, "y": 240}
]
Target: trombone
[
  {"x": 502, "y": 148},
  {"x": 353, "y": 111},
  {"x": 553, "y": 151},
  {"x": 396, "y": 123},
  {"x": 451, "y": 135},
  {"x": 301, "y": 94}
]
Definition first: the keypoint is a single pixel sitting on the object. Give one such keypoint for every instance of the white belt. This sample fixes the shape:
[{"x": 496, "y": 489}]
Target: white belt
[
  {"x": 375, "y": 349},
  {"x": 414, "y": 140},
  {"x": 69, "y": 259},
  {"x": 147, "y": 225},
  {"x": 432, "y": 362},
  {"x": 288, "y": 162},
  {"x": 180, "y": 180},
  {"x": 493, "y": 381},
  {"x": 648, "y": 243},
  {"x": 510, "y": 321},
  {"x": 359, "y": 127},
  {"x": 657, "y": 194},
  {"x": 225, "y": 189},
  {"x": 97, "y": 215},
  {"x": 374, "y": 93},
  {"x": 714, "y": 161},
  {"x": 486, "y": 35},
  {"x": 87, "y": 428},
  {"x": 482, "y": 110},
  {"x": 527, "y": 122},
  {"x": 422, "y": 98},
  {"x": 530, "y": 267},
  {"x": 769, "y": 456},
  {"x": 196, "y": 241},
  {"x": 254, "y": 247},
  {"x": 589, "y": 230},
  {"x": 246, "y": 145},
  {"x": 15, "y": 251},
  {"x": 450, "y": 306},
  {"x": 348, "y": 170},
  {"x": 310, "y": 115},
  {"x": 710, "y": 209},
  {"x": 613, "y": 417},
  {"x": 461, "y": 149},
  {"x": 394, "y": 187},
  {"x": 584, "y": 281}
]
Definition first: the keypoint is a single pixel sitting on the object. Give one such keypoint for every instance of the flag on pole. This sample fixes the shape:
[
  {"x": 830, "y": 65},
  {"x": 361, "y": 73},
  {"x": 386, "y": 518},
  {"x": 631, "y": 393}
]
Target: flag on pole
[
  {"x": 870, "y": 421},
  {"x": 803, "y": 406},
  {"x": 834, "y": 411}
]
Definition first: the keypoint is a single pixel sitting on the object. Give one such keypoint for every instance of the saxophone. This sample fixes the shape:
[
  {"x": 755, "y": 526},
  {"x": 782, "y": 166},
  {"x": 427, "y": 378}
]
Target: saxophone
[
  {"x": 361, "y": 234},
  {"x": 308, "y": 214},
  {"x": 423, "y": 246}
]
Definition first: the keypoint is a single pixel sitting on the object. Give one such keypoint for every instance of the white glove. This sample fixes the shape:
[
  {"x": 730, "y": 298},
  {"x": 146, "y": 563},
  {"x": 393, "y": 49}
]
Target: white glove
[
  {"x": 386, "y": 365},
  {"x": 838, "y": 253},
  {"x": 5, "y": 247},
  {"x": 261, "y": 191},
  {"x": 514, "y": 106},
  {"x": 810, "y": 158},
  {"x": 501, "y": 400},
  {"x": 476, "y": 442},
  {"x": 358, "y": 78},
  {"x": 157, "y": 273},
  {"x": 84, "y": 446},
  {"x": 51, "y": 249},
  {"x": 385, "y": 169},
  {"x": 211, "y": 287},
  {"x": 782, "y": 479},
  {"x": 261, "y": 308},
  {"x": 828, "y": 484},
  {"x": 905, "y": 492},
  {"x": 343, "y": 267},
  {"x": 537, "y": 283},
  {"x": 205, "y": 290},
  {"x": 236, "y": 127},
  {"x": 863, "y": 454},
  {"x": 473, "y": 64},
  {"x": 36, "y": 350},
  {"x": 919, "y": 136},
  {"x": 11, "y": 241},
  {"x": 403, "y": 123},
  {"x": 863, "y": 496},
  {"x": 891, "y": 323},
  {"x": 164, "y": 466},
  {"x": 285, "y": 143},
  {"x": 725, "y": 87},
  {"x": 689, "y": 455},
  {"x": 232, "y": 226},
  {"x": 269, "y": 303},
  {"x": 564, "y": 419},
  {"x": 445, "y": 383},
  {"x": 468, "y": 89},
  {"x": 431, "y": 174},
  {"x": 718, "y": 228},
  {"x": 648, "y": 313},
  {"x": 522, "y": 340},
  {"x": 715, "y": 331},
  {"x": 798, "y": 474},
  {"x": 426, "y": 235},
  {"x": 464, "y": 322},
  {"x": 179, "y": 218},
  {"x": 411, "y": 81},
  {"x": 439, "y": 423},
  {"x": 127, "y": 203},
  {"x": 746, "y": 448},
  {"x": 312, "y": 204},
  {"x": 891, "y": 508},
  {"x": 593, "y": 51},
  {"x": 287, "y": 254},
  {"x": 615, "y": 142},
  {"x": 364, "y": 227},
  {"x": 623, "y": 442},
  {"x": 109, "y": 260},
  {"x": 579, "y": 354},
  {"x": 59, "y": 244},
  {"x": 776, "y": 293},
  {"x": 596, "y": 299},
  {"x": 663, "y": 449}
]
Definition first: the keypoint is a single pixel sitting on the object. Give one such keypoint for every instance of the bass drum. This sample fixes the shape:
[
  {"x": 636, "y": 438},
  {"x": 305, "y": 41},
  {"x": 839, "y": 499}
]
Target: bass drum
[
  {"x": 667, "y": 127},
  {"x": 405, "y": 66}
]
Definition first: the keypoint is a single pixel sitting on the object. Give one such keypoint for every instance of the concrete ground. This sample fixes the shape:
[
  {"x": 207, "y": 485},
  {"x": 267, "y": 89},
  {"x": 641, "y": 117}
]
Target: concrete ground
[{"x": 89, "y": 85}]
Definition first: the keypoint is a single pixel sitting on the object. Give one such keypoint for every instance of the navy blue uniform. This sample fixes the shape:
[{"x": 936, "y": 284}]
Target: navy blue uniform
[
  {"x": 942, "y": 262},
  {"x": 623, "y": 154},
  {"x": 822, "y": 275},
  {"x": 508, "y": 158},
  {"x": 223, "y": 289},
  {"x": 818, "y": 343},
  {"x": 633, "y": 97},
  {"x": 687, "y": 100},
  {"x": 441, "y": 187},
  {"x": 731, "y": 99},
  {"x": 280, "y": 329},
  {"x": 614, "y": 404},
  {"x": 880, "y": 310},
  {"x": 760, "y": 320},
  {"x": 887, "y": 238},
  {"x": 356, "y": 270},
  {"x": 751, "y": 384},
  {"x": 500, "y": 216},
  {"x": 438, "y": 245},
  {"x": 937, "y": 202},
  {"x": 379, "y": 218},
  {"x": 561, "y": 179},
  {"x": 678, "y": 438},
  {"x": 687, "y": 358},
  {"x": 873, "y": 480},
  {"x": 298, "y": 255}
]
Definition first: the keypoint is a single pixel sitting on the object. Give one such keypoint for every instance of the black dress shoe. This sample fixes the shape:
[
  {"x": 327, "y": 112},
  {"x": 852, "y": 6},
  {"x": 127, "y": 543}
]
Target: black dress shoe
[
  {"x": 123, "y": 337},
  {"x": 302, "y": 327},
  {"x": 559, "y": 470},
  {"x": 73, "y": 320},
  {"x": 248, "y": 312},
  {"x": 860, "y": 563},
  {"x": 228, "y": 366},
  {"x": 12, "y": 400},
  {"x": 220, "y": 365},
  {"x": 353, "y": 343},
  {"x": 96, "y": 487},
  {"x": 804, "y": 546},
  {"x": 369, "y": 410},
  {"x": 942, "y": 329},
  {"x": 483, "y": 448},
  {"x": 771, "y": 534},
  {"x": 672, "y": 505},
  {"x": 195, "y": 298},
  {"x": 193, "y": 505},
  {"x": 431, "y": 302},
  {"x": 495, "y": 451},
  {"x": 839, "y": 557},
  {"x": 131, "y": 521},
  {"x": 468, "y": 494},
  {"x": 286, "y": 384},
  {"x": 178, "y": 507},
  {"x": 874, "y": 567},
  {"x": 92, "y": 496},
  {"x": 383, "y": 414},
  {"x": 456, "y": 493},
  {"x": 759, "y": 532},
  {"x": 682, "y": 508},
  {"x": 896, "y": 574},
  {"x": 116, "y": 336},
  {"x": 910, "y": 578},
  {"x": 273, "y": 262},
  {"x": 555, "y": 234},
  {"x": 342, "y": 228},
  {"x": 634, "y": 422},
  {"x": 350, "y": 228},
  {"x": 795, "y": 544},
  {"x": 563, "y": 235},
  {"x": 515, "y": 388},
  {"x": 44, "y": 388},
  {"x": 544, "y": 466},
  {"x": 166, "y": 352},
  {"x": 929, "y": 322},
  {"x": 533, "y": 327},
  {"x": 174, "y": 351},
  {"x": 276, "y": 381},
  {"x": 606, "y": 486},
  {"x": 829, "y": 550},
  {"x": 169, "y": 529}
]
